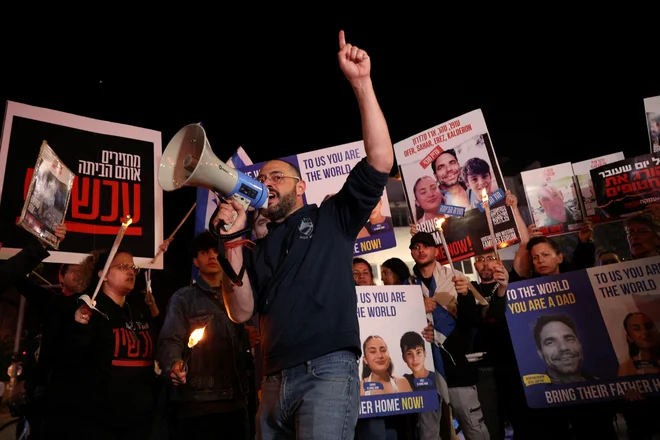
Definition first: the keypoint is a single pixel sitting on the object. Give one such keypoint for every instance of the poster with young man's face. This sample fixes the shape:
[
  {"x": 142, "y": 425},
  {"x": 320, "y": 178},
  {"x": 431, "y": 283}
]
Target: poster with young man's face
[{"x": 448, "y": 171}]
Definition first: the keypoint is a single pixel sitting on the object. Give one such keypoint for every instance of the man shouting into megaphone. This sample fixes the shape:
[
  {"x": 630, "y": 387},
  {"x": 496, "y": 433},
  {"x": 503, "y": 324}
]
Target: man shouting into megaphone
[{"x": 299, "y": 280}]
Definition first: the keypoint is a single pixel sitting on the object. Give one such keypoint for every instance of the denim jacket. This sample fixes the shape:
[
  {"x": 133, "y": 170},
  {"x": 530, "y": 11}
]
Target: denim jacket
[{"x": 216, "y": 365}]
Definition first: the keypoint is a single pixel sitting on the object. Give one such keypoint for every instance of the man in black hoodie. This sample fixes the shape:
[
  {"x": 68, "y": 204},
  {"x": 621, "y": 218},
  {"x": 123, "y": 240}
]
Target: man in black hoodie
[{"x": 300, "y": 281}]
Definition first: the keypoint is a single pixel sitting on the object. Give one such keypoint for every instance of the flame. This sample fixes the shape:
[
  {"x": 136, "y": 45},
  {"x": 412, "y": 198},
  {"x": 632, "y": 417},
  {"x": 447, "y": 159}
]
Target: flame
[
  {"x": 127, "y": 221},
  {"x": 195, "y": 337},
  {"x": 439, "y": 222},
  {"x": 484, "y": 195},
  {"x": 502, "y": 245}
]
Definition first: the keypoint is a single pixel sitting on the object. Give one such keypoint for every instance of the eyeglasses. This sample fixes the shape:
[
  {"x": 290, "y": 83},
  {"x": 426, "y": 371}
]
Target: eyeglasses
[
  {"x": 126, "y": 267},
  {"x": 631, "y": 232},
  {"x": 276, "y": 177},
  {"x": 484, "y": 259}
]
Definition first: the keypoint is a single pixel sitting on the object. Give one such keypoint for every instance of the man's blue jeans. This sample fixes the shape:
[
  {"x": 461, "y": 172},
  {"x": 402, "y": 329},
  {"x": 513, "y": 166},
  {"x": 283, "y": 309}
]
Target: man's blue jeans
[{"x": 316, "y": 400}]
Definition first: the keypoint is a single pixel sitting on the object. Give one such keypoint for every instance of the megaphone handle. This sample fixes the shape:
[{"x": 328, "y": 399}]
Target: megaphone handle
[
  {"x": 215, "y": 230},
  {"x": 236, "y": 279}
]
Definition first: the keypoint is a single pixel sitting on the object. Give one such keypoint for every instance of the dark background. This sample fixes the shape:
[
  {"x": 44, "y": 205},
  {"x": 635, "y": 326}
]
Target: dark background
[{"x": 552, "y": 88}]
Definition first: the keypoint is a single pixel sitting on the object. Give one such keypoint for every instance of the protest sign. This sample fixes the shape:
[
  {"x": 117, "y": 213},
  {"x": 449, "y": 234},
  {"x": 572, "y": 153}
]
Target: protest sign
[
  {"x": 625, "y": 187},
  {"x": 445, "y": 171},
  {"x": 115, "y": 166},
  {"x": 589, "y": 335},
  {"x": 553, "y": 199},
  {"x": 397, "y": 375},
  {"x": 582, "y": 172}
]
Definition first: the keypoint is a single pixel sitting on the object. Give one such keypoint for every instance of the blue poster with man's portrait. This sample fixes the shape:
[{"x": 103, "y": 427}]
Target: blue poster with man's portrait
[{"x": 580, "y": 337}]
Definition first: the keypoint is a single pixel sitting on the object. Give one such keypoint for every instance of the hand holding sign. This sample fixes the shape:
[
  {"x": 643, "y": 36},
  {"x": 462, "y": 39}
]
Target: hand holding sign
[
  {"x": 354, "y": 62},
  {"x": 587, "y": 232},
  {"x": 511, "y": 200},
  {"x": 461, "y": 285},
  {"x": 430, "y": 305},
  {"x": 60, "y": 231},
  {"x": 428, "y": 334},
  {"x": 534, "y": 231}
]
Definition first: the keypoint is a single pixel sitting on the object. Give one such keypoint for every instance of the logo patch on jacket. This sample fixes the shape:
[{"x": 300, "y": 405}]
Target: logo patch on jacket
[{"x": 306, "y": 228}]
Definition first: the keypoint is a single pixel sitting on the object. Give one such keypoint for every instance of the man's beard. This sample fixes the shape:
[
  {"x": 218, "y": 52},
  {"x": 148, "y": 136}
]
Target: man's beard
[
  {"x": 282, "y": 209},
  {"x": 487, "y": 276},
  {"x": 425, "y": 263}
]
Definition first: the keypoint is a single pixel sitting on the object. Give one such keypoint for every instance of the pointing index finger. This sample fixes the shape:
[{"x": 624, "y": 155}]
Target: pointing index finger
[{"x": 342, "y": 39}]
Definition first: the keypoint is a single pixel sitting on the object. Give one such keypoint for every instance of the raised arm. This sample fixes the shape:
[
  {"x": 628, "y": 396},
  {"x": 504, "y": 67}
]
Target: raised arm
[{"x": 356, "y": 65}]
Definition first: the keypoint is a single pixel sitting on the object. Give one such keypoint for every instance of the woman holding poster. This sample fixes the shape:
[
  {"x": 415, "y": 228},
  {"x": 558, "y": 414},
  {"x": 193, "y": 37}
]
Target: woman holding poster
[{"x": 377, "y": 369}]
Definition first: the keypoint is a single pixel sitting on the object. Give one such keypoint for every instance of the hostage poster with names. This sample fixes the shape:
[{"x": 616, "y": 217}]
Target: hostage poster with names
[
  {"x": 444, "y": 170},
  {"x": 625, "y": 187},
  {"x": 324, "y": 172},
  {"x": 115, "y": 166},
  {"x": 397, "y": 374},
  {"x": 588, "y": 335}
]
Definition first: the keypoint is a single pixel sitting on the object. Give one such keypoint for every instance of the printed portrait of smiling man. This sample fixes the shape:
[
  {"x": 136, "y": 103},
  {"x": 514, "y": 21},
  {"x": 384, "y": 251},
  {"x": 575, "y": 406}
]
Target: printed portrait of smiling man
[{"x": 558, "y": 345}]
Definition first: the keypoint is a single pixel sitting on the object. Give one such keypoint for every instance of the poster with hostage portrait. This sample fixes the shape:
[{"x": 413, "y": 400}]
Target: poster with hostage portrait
[
  {"x": 324, "y": 173},
  {"x": 626, "y": 187},
  {"x": 48, "y": 197},
  {"x": 115, "y": 168},
  {"x": 553, "y": 199},
  {"x": 652, "y": 109},
  {"x": 629, "y": 299},
  {"x": 397, "y": 375},
  {"x": 589, "y": 335},
  {"x": 446, "y": 172},
  {"x": 582, "y": 172}
]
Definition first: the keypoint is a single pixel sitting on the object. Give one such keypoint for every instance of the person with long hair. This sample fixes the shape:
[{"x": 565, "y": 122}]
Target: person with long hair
[
  {"x": 643, "y": 345},
  {"x": 428, "y": 199},
  {"x": 116, "y": 375},
  {"x": 377, "y": 368},
  {"x": 394, "y": 272}
]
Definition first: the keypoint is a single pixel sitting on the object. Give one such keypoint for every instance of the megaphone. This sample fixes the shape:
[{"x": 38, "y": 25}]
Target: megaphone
[{"x": 188, "y": 160}]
